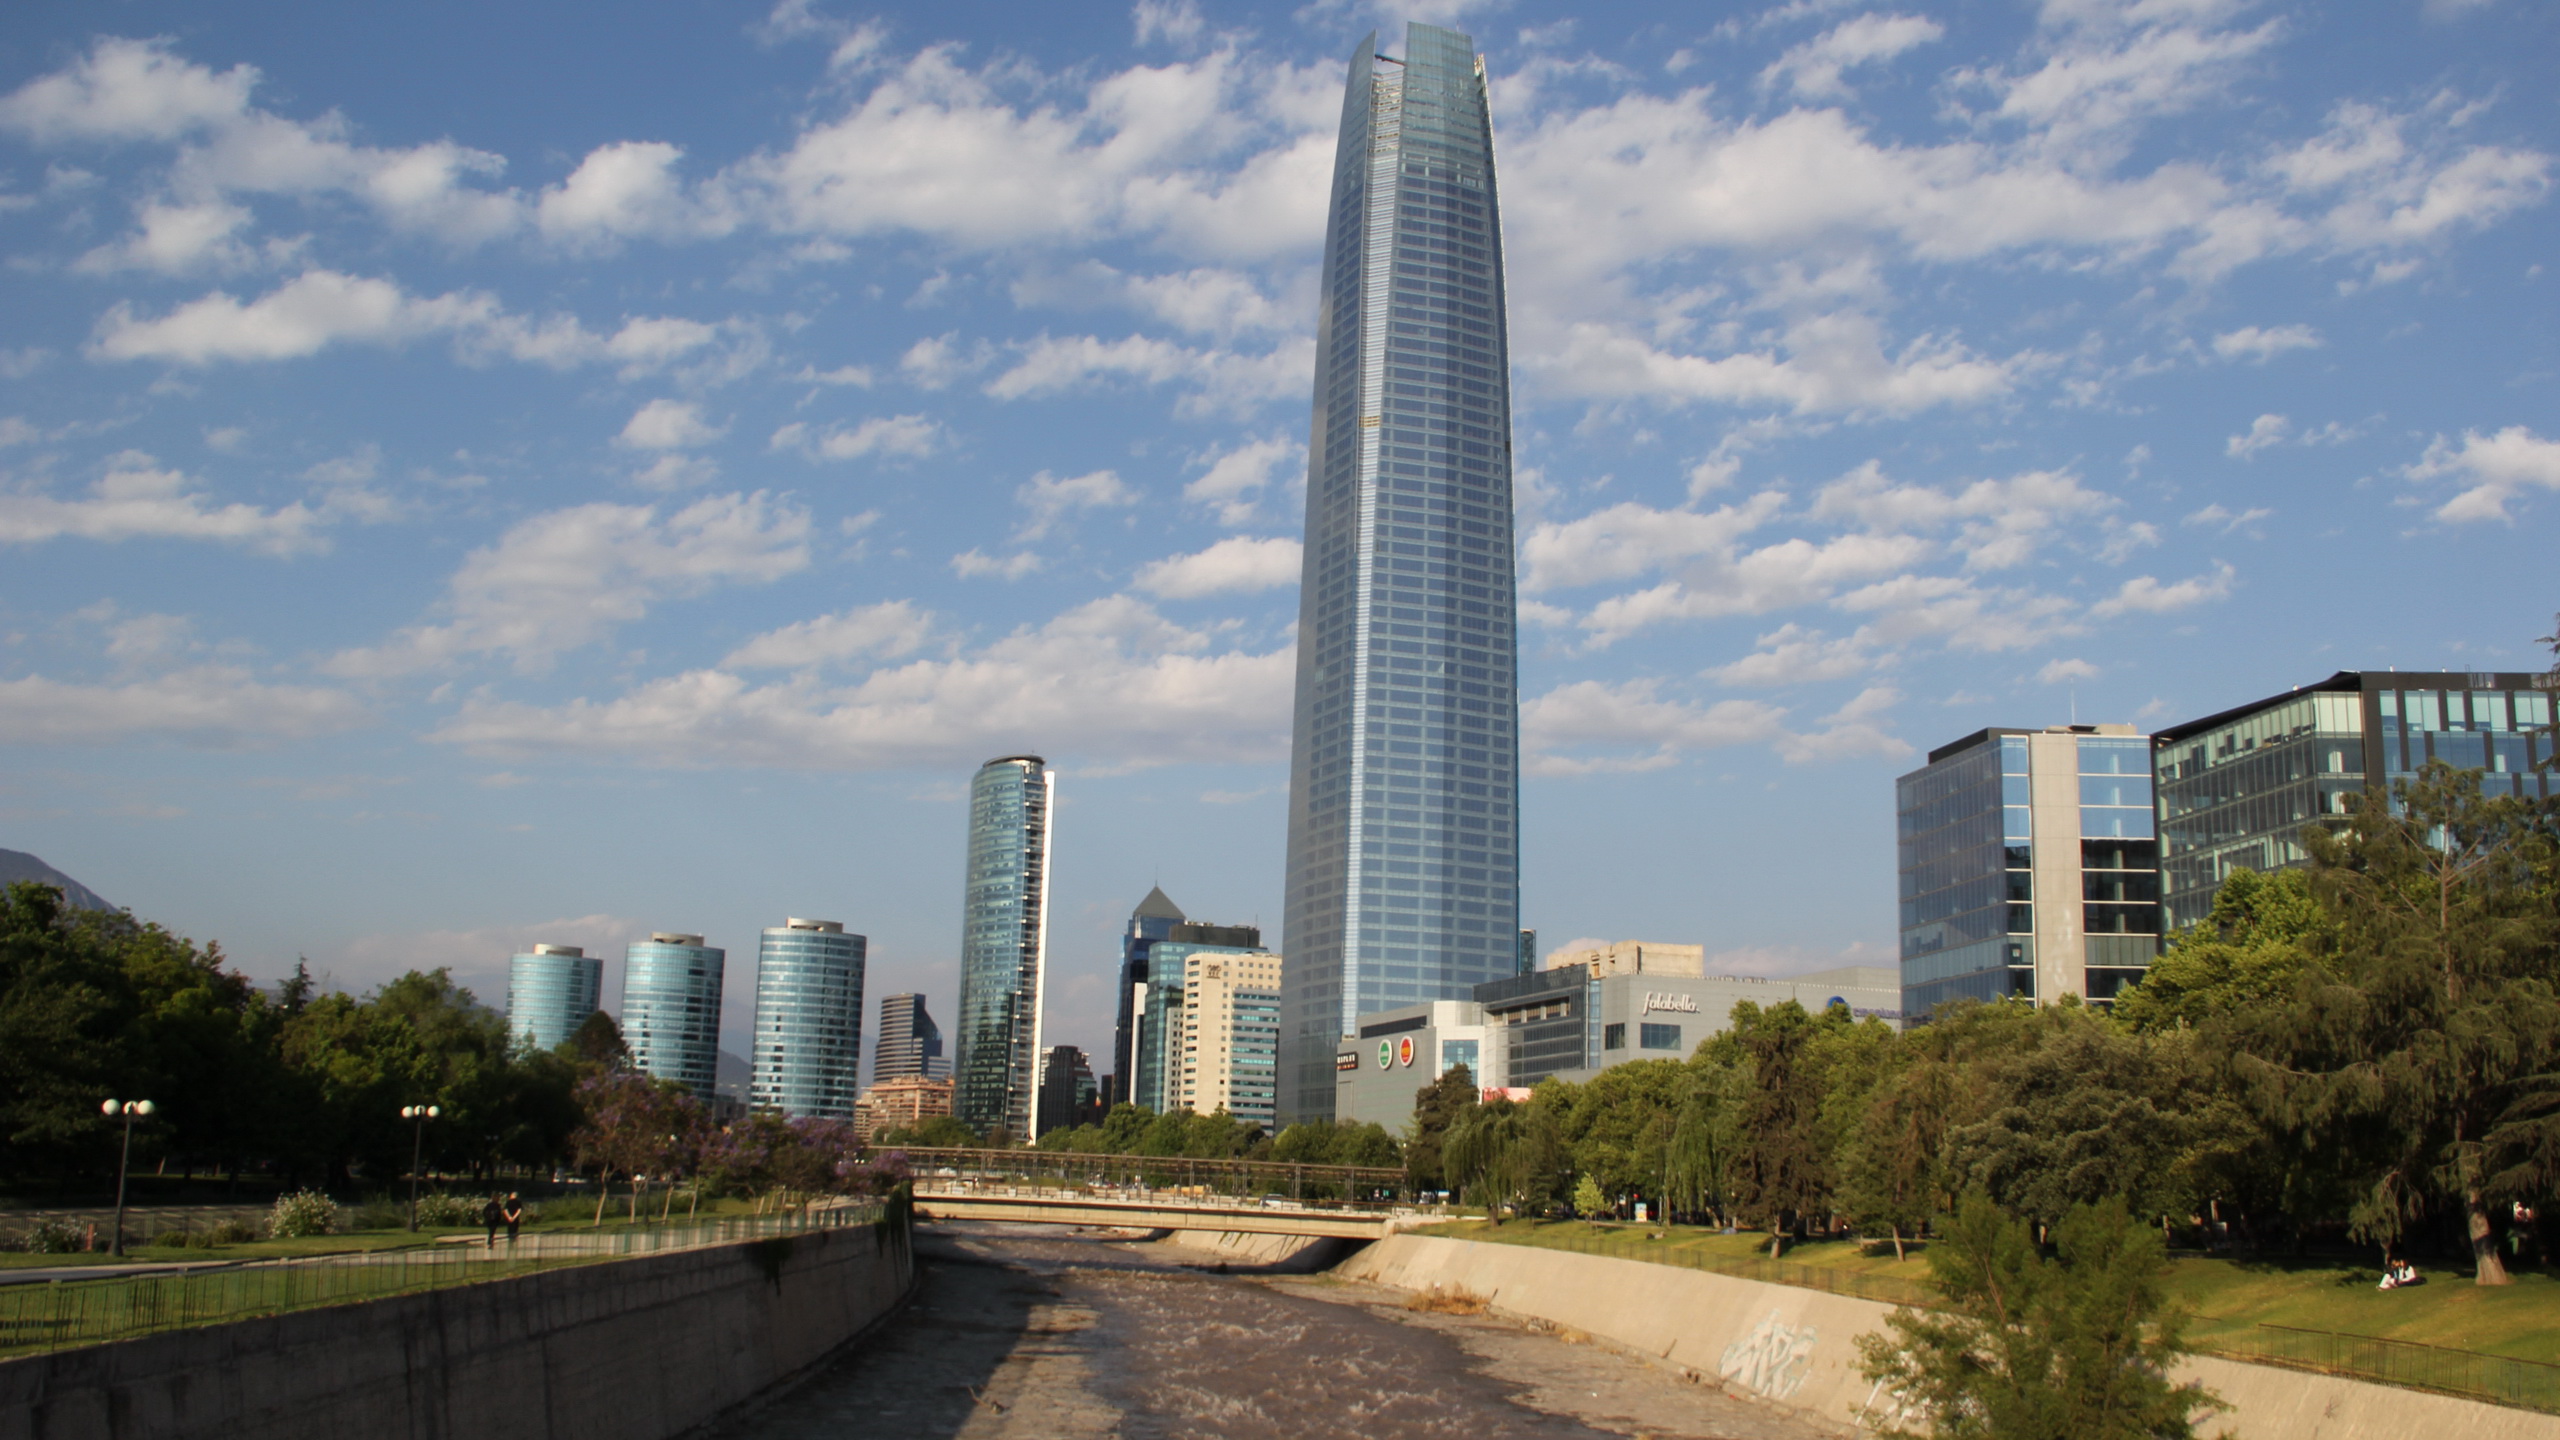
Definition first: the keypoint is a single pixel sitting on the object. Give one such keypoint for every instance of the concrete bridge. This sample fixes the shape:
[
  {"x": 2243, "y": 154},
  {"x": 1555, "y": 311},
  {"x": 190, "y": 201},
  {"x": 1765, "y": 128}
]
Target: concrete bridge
[{"x": 1143, "y": 1211}]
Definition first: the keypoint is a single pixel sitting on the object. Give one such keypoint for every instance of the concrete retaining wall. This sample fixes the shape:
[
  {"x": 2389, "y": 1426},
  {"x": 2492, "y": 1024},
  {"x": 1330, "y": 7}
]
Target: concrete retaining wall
[
  {"x": 1798, "y": 1348},
  {"x": 1288, "y": 1254},
  {"x": 619, "y": 1350}
]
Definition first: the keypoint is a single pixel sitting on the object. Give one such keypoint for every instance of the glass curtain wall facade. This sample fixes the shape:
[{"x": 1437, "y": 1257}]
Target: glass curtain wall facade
[
  {"x": 1004, "y": 945},
  {"x": 1152, "y": 921},
  {"x": 909, "y": 1044},
  {"x": 1158, "y": 1005},
  {"x": 2028, "y": 866},
  {"x": 1404, "y": 858},
  {"x": 806, "y": 1058},
  {"x": 2237, "y": 788},
  {"x": 671, "y": 1009},
  {"x": 551, "y": 990}
]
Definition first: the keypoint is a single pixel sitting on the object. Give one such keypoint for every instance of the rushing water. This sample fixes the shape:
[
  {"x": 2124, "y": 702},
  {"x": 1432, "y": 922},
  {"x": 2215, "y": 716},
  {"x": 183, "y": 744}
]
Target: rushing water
[{"x": 1019, "y": 1332}]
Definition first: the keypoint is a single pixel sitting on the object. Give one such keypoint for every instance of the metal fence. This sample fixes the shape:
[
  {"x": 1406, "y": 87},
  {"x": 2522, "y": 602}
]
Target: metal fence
[
  {"x": 2528, "y": 1384},
  {"x": 40, "y": 1316}
]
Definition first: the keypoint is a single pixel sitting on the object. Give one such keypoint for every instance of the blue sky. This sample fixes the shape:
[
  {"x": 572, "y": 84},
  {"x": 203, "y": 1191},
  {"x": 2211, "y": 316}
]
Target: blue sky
[{"x": 473, "y": 474}]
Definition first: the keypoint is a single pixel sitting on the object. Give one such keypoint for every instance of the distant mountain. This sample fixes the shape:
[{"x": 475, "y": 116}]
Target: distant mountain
[
  {"x": 17, "y": 865},
  {"x": 730, "y": 1078}
]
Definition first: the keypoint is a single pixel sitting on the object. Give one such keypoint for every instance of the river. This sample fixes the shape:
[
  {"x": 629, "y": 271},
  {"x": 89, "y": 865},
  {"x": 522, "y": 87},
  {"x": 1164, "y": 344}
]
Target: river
[{"x": 1020, "y": 1332}]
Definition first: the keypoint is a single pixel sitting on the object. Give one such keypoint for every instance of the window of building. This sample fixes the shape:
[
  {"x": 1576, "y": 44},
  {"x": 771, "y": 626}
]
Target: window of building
[
  {"x": 1660, "y": 1037},
  {"x": 1614, "y": 1037}
]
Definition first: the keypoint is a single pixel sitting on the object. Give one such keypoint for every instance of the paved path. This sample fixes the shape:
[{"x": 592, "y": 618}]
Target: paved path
[{"x": 1018, "y": 1333}]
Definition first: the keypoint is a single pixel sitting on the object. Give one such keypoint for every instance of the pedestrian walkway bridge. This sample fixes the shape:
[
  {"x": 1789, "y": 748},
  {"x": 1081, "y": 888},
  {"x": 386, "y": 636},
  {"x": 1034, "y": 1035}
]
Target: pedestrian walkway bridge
[
  {"x": 1033, "y": 1205},
  {"x": 1170, "y": 1192}
]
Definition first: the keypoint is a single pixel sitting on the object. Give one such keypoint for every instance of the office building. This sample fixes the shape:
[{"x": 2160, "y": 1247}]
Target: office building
[
  {"x": 2029, "y": 866},
  {"x": 1004, "y": 945},
  {"x": 1403, "y": 853},
  {"x": 551, "y": 990},
  {"x": 1575, "y": 1019},
  {"x": 1229, "y": 1058},
  {"x": 1069, "y": 1096},
  {"x": 671, "y": 1009},
  {"x": 806, "y": 1056},
  {"x": 1527, "y": 960},
  {"x": 1152, "y": 921},
  {"x": 2237, "y": 788},
  {"x": 1156, "y": 1004},
  {"x": 910, "y": 1043},
  {"x": 900, "y": 1103}
]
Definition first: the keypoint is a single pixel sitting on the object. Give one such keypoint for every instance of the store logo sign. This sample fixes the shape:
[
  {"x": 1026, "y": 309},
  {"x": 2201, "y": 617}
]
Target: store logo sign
[{"x": 1670, "y": 1000}]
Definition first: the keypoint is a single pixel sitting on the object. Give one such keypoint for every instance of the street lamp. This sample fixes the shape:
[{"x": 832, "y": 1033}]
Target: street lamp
[
  {"x": 418, "y": 1115},
  {"x": 128, "y": 1109}
]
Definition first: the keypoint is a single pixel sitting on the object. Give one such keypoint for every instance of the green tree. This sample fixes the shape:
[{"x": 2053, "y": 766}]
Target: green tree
[
  {"x": 2074, "y": 1109},
  {"x": 2428, "y": 1013},
  {"x": 1588, "y": 1198},
  {"x": 2073, "y": 1347},
  {"x": 933, "y": 1132},
  {"x": 1436, "y": 1107},
  {"x": 1780, "y": 1170},
  {"x": 1892, "y": 1161},
  {"x": 1504, "y": 1152},
  {"x": 2245, "y": 955},
  {"x": 1704, "y": 1138},
  {"x": 1619, "y": 1125}
]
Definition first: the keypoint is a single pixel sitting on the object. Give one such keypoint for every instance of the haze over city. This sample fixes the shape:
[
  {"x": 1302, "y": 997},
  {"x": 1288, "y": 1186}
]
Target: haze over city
[{"x": 472, "y": 477}]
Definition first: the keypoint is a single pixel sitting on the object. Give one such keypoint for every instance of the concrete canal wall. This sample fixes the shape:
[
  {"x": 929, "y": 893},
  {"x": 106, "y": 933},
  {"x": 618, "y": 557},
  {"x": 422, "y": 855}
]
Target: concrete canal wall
[
  {"x": 1798, "y": 1348},
  {"x": 635, "y": 1349}
]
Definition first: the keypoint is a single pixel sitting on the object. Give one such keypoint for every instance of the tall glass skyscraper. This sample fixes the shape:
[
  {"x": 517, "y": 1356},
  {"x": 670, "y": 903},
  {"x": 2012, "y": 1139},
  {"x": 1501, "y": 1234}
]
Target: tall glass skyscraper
[
  {"x": 1004, "y": 945},
  {"x": 806, "y": 1058},
  {"x": 1152, "y": 921},
  {"x": 909, "y": 1044},
  {"x": 671, "y": 1008},
  {"x": 1404, "y": 851},
  {"x": 551, "y": 990}
]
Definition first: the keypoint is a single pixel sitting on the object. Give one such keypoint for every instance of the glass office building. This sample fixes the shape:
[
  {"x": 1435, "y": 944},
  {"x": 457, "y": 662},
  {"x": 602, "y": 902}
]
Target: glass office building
[
  {"x": 1152, "y": 921},
  {"x": 806, "y": 1057},
  {"x": 2029, "y": 866},
  {"x": 1404, "y": 856},
  {"x": 909, "y": 1044},
  {"x": 1157, "y": 1004},
  {"x": 2237, "y": 788},
  {"x": 671, "y": 1009},
  {"x": 1004, "y": 945},
  {"x": 551, "y": 990}
]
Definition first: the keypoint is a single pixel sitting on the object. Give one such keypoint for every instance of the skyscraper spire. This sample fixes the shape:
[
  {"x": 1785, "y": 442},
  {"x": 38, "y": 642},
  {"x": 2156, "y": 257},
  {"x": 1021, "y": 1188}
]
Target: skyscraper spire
[{"x": 1404, "y": 850}]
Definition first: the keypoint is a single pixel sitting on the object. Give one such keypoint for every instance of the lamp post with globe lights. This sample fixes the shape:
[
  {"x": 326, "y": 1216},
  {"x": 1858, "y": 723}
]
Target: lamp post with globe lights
[
  {"x": 418, "y": 1116},
  {"x": 128, "y": 1109}
]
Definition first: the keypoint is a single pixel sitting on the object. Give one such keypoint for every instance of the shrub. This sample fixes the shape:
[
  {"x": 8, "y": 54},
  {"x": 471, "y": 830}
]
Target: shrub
[
  {"x": 305, "y": 1212},
  {"x": 446, "y": 1209},
  {"x": 380, "y": 1212},
  {"x": 50, "y": 1237}
]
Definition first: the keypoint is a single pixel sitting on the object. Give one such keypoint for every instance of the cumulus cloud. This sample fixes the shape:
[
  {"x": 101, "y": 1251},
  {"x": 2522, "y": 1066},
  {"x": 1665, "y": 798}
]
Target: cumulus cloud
[
  {"x": 1813, "y": 69},
  {"x": 1237, "y": 563},
  {"x": 627, "y": 190},
  {"x": 976, "y": 564},
  {"x": 1855, "y": 731},
  {"x": 2264, "y": 432},
  {"x": 2251, "y": 342},
  {"x": 1236, "y": 479},
  {"x": 2498, "y": 469},
  {"x": 1795, "y": 655},
  {"x": 2064, "y": 672},
  {"x": 126, "y": 90},
  {"x": 891, "y": 628},
  {"x": 570, "y": 578},
  {"x": 1831, "y": 362},
  {"x": 1110, "y": 682},
  {"x": 1051, "y": 499},
  {"x": 139, "y": 499},
  {"x": 901, "y": 436},
  {"x": 668, "y": 425},
  {"x": 2144, "y": 594},
  {"x": 1218, "y": 379},
  {"x": 1633, "y": 727}
]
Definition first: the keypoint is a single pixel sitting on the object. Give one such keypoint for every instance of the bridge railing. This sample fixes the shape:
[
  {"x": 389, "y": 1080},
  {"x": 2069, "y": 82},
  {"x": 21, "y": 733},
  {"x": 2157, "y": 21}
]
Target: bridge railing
[
  {"x": 40, "y": 1316},
  {"x": 1244, "y": 1180}
]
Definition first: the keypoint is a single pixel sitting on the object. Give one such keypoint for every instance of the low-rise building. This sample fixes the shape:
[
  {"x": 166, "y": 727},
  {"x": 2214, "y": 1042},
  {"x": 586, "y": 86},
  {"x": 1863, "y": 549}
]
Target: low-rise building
[{"x": 900, "y": 1103}]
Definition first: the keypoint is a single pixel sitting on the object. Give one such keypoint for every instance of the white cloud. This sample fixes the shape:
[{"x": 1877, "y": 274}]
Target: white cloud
[
  {"x": 1221, "y": 380},
  {"x": 938, "y": 360},
  {"x": 2264, "y": 432},
  {"x": 1832, "y": 363},
  {"x": 1237, "y": 563},
  {"x": 1633, "y": 726},
  {"x": 627, "y": 190},
  {"x": 1051, "y": 499},
  {"x": 903, "y": 436},
  {"x": 216, "y": 706},
  {"x": 127, "y": 90},
  {"x": 976, "y": 564},
  {"x": 1999, "y": 524},
  {"x": 2145, "y": 594},
  {"x": 891, "y": 628},
  {"x": 2499, "y": 469},
  {"x": 570, "y": 578},
  {"x": 1236, "y": 479},
  {"x": 2251, "y": 342},
  {"x": 1110, "y": 682},
  {"x": 1794, "y": 655},
  {"x": 175, "y": 239},
  {"x": 478, "y": 958},
  {"x": 137, "y": 499},
  {"x": 1813, "y": 69},
  {"x": 1855, "y": 731},
  {"x": 2228, "y": 521},
  {"x": 2063, "y": 672},
  {"x": 668, "y": 425}
]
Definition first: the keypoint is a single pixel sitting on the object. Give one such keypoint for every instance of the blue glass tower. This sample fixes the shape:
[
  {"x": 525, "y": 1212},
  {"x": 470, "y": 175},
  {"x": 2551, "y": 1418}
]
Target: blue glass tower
[
  {"x": 1004, "y": 945},
  {"x": 806, "y": 1058},
  {"x": 551, "y": 990},
  {"x": 1152, "y": 921},
  {"x": 1404, "y": 852},
  {"x": 671, "y": 1008}
]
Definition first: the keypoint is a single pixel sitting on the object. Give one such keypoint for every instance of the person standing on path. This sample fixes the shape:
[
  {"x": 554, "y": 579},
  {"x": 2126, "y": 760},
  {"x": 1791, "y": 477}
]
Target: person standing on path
[
  {"x": 491, "y": 1216},
  {"x": 513, "y": 1215}
]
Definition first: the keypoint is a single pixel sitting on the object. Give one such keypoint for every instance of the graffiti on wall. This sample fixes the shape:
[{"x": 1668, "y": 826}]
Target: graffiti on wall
[{"x": 1773, "y": 1360}]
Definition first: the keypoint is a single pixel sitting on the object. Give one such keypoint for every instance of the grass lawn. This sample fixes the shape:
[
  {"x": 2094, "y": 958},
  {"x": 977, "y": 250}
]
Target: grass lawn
[{"x": 2226, "y": 1296}]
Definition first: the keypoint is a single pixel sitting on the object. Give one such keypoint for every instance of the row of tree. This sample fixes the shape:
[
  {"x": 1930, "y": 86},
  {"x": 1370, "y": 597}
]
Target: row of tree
[{"x": 2367, "y": 1048}]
